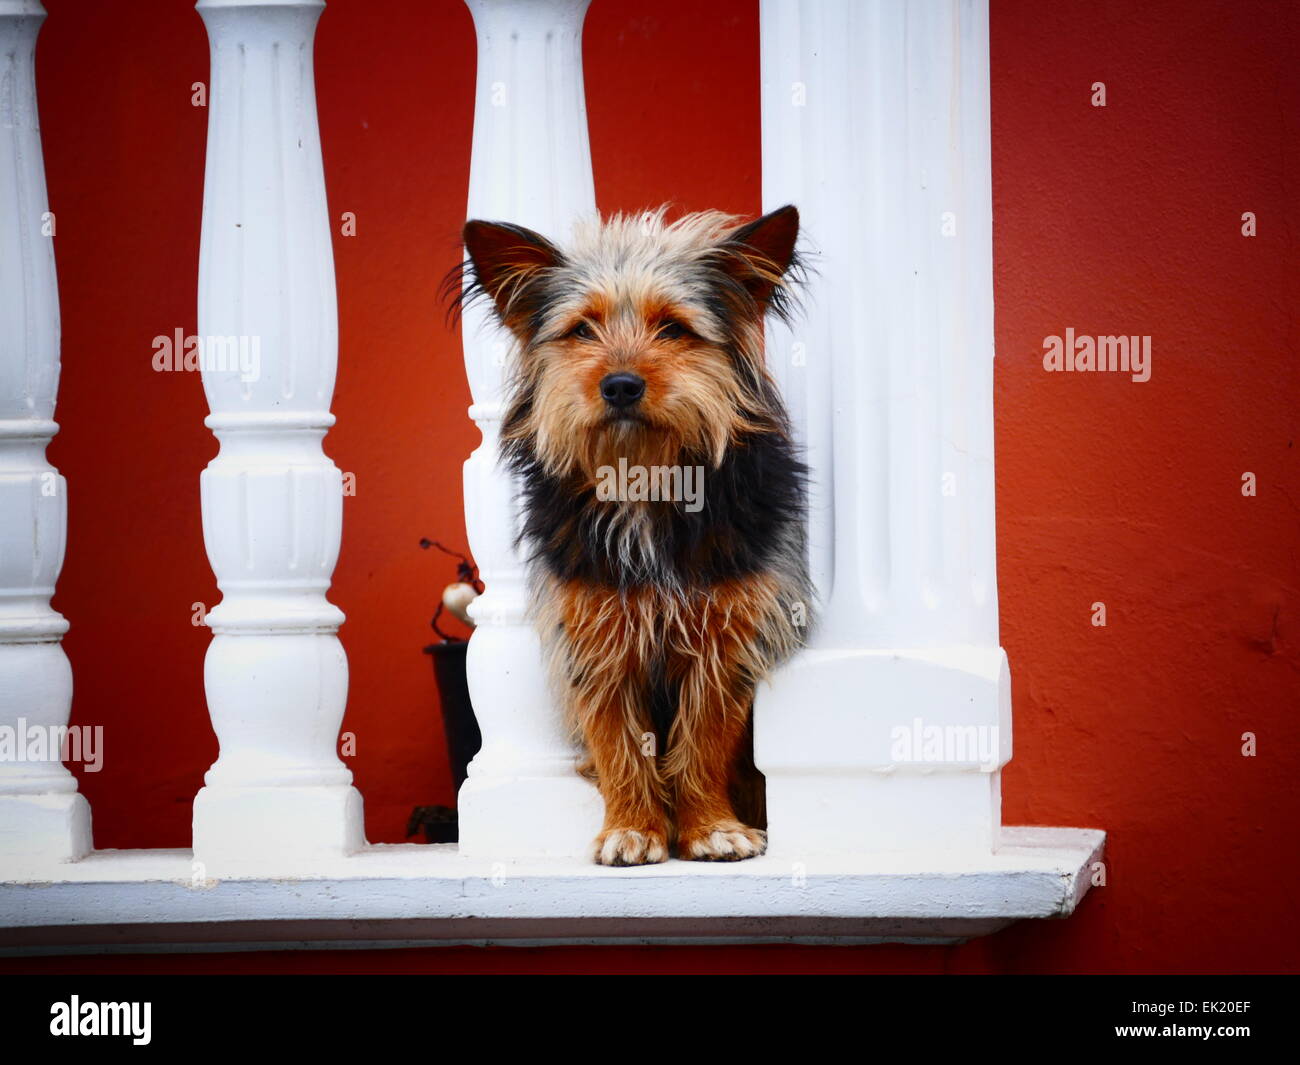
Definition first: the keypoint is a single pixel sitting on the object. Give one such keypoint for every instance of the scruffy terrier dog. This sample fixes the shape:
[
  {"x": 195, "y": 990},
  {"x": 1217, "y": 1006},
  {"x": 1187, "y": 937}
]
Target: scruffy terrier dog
[{"x": 640, "y": 348}]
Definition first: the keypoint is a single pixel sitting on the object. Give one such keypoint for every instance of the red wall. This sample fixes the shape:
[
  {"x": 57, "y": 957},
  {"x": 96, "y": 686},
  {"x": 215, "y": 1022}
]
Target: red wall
[{"x": 1123, "y": 219}]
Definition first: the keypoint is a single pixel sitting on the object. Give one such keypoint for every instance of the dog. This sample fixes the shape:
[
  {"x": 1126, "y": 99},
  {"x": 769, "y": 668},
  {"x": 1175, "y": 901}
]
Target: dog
[{"x": 639, "y": 378}]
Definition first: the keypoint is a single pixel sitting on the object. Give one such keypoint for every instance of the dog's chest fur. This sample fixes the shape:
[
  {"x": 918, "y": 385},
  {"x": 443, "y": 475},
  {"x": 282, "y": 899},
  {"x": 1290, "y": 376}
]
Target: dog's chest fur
[{"x": 748, "y": 521}]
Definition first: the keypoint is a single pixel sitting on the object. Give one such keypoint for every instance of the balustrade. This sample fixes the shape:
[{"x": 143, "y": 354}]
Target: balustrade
[
  {"x": 42, "y": 815},
  {"x": 889, "y": 732},
  {"x": 276, "y": 674}
]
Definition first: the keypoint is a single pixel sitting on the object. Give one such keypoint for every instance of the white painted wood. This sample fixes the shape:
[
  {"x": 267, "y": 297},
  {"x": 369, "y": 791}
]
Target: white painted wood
[
  {"x": 397, "y": 895},
  {"x": 278, "y": 797},
  {"x": 531, "y": 164},
  {"x": 876, "y": 123},
  {"x": 41, "y": 812}
]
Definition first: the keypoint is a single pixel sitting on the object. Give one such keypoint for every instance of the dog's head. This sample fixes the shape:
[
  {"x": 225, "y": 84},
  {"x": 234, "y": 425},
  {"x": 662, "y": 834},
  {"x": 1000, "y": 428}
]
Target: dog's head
[{"x": 642, "y": 340}]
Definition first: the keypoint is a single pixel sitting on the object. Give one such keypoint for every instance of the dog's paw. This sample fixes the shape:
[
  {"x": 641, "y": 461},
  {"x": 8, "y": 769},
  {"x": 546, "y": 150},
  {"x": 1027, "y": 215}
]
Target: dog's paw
[
  {"x": 631, "y": 846},
  {"x": 726, "y": 841}
]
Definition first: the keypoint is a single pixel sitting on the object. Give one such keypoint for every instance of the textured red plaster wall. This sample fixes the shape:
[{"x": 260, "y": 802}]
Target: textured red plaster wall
[{"x": 1123, "y": 219}]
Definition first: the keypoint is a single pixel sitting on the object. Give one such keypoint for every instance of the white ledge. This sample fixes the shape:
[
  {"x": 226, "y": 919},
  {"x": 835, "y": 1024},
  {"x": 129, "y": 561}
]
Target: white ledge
[{"x": 414, "y": 894}]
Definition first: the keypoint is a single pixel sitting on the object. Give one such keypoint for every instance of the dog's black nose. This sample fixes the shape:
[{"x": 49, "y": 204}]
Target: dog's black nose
[{"x": 622, "y": 389}]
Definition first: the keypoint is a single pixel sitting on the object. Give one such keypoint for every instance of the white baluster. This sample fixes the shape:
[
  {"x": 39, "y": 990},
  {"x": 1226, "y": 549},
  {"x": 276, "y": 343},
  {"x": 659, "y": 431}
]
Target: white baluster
[
  {"x": 42, "y": 816},
  {"x": 531, "y": 165},
  {"x": 276, "y": 673},
  {"x": 876, "y": 123}
]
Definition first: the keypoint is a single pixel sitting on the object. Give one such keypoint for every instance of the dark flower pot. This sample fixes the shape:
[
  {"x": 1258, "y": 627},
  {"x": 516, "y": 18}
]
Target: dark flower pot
[{"x": 462, "y": 734}]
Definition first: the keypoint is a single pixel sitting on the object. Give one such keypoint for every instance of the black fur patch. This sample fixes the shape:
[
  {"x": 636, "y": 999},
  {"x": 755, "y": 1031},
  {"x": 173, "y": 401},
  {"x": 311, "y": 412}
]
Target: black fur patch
[
  {"x": 662, "y": 704},
  {"x": 753, "y": 511}
]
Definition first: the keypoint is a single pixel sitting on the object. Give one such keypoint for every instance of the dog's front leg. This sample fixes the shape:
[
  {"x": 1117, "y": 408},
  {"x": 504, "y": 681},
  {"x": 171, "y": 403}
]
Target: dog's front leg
[
  {"x": 710, "y": 731},
  {"x": 604, "y": 645},
  {"x": 701, "y": 762},
  {"x": 620, "y": 740}
]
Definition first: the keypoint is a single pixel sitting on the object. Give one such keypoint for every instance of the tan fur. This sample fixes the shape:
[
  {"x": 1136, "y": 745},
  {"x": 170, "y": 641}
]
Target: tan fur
[{"x": 714, "y": 643}]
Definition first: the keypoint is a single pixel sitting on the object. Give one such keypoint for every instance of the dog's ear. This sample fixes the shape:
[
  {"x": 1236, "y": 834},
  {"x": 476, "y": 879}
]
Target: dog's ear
[
  {"x": 762, "y": 252},
  {"x": 505, "y": 263}
]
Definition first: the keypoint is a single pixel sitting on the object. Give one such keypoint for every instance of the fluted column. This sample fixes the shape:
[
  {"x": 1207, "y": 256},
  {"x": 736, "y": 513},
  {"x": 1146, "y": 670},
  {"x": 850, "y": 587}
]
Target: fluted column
[
  {"x": 876, "y": 123},
  {"x": 276, "y": 674},
  {"x": 531, "y": 164},
  {"x": 42, "y": 816}
]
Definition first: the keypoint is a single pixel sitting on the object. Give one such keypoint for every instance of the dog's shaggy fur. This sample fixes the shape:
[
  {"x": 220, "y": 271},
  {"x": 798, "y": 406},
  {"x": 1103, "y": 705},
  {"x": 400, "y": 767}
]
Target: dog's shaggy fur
[{"x": 659, "y": 618}]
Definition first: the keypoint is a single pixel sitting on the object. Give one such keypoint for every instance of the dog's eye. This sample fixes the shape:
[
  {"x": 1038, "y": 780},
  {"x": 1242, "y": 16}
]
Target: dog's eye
[
  {"x": 582, "y": 331},
  {"x": 672, "y": 331}
]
